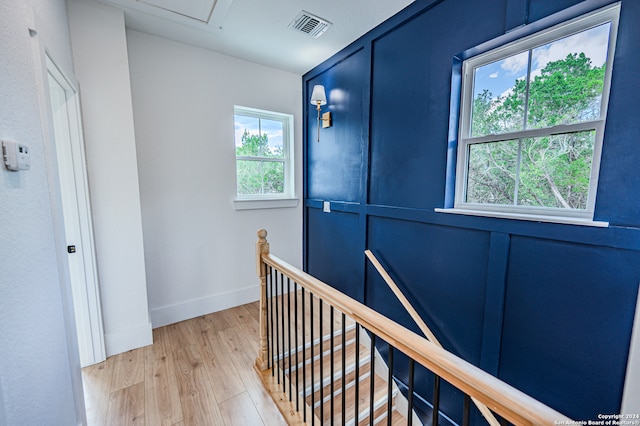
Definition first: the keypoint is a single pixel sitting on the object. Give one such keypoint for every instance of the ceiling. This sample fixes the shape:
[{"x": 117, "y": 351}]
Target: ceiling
[{"x": 258, "y": 30}]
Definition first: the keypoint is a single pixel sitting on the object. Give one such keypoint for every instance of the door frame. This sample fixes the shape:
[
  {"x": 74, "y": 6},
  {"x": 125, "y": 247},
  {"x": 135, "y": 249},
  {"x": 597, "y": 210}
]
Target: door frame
[{"x": 87, "y": 296}]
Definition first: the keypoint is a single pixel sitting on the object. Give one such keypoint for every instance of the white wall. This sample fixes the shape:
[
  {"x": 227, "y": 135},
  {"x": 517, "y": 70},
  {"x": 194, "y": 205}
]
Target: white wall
[
  {"x": 102, "y": 69},
  {"x": 199, "y": 251},
  {"x": 39, "y": 363}
]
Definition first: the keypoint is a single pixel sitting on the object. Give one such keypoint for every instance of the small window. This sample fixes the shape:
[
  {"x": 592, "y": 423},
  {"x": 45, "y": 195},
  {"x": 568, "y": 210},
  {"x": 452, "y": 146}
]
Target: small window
[
  {"x": 264, "y": 165},
  {"x": 532, "y": 120}
]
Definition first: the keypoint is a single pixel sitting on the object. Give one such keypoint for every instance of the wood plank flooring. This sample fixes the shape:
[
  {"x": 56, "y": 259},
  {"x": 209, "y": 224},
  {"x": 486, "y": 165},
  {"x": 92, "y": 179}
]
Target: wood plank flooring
[
  {"x": 310, "y": 369},
  {"x": 197, "y": 372}
]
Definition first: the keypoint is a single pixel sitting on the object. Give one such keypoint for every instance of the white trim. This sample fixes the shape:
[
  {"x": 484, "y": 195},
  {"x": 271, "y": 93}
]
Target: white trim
[
  {"x": 127, "y": 339},
  {"x": 530, "y": 217},
  {"x": 86, "y": 294},
  {"x": 631, "y": 394},
  {"x": 170, "y": 314},
  {"x": 287, "y": 121},
  {"x": 265, "y": 203},
  {"x": 583, "y": 126},
  {"x": 579, "y": 24}
]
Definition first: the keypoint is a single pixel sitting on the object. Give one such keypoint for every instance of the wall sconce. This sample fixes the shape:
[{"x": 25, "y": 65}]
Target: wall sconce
[{"x": 319, "y": 98}]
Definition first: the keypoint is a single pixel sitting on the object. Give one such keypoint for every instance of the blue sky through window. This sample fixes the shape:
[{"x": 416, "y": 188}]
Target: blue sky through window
[
  {"x": 254, "y": 125},
  {"x": 500, "y": 76}
]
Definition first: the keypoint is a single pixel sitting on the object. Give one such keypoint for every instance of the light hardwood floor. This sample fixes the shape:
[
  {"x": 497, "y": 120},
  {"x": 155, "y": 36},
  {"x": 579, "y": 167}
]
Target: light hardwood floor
[{"x": 197, "y": 372}]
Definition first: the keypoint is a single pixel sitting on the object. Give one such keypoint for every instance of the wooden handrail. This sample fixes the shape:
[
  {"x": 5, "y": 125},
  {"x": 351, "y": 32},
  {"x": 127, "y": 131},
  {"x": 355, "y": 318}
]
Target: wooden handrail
[
  {"x": 505, "y": 400},
  {"x": 488, "y": 415}
]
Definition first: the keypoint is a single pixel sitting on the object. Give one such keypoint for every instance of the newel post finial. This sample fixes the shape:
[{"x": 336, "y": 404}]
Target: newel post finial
[{"x": 262, "y": 247}]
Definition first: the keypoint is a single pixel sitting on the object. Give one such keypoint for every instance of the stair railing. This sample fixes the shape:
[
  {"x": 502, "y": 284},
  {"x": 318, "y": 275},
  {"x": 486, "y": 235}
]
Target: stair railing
[
  {"x": 484, "y": 410},
  {"x": 288, "y": 362}
]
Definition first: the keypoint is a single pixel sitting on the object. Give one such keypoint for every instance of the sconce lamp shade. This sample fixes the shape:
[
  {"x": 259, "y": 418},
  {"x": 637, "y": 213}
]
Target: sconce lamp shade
[{"x": 318, "y": 96}]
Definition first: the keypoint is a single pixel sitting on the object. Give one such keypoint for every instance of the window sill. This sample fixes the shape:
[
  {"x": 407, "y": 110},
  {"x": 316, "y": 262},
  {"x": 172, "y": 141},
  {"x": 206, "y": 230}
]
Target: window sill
[
  {"x": 265, "y": 203},
  {"x": 529, "y": 217}
]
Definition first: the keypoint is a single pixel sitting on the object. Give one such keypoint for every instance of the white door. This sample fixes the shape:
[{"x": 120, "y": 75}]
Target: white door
[{"x": 77, "y": 216}]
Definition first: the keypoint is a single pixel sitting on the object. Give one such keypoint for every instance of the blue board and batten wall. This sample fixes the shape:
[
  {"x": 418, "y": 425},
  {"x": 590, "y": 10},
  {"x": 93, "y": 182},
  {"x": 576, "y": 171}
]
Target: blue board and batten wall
[{"x": 546, "y": 307}]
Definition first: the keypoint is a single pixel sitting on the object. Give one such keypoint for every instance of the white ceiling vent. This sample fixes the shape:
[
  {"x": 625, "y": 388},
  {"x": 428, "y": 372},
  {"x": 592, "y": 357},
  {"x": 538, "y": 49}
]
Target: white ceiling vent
[{"x": 309, "y": 24}]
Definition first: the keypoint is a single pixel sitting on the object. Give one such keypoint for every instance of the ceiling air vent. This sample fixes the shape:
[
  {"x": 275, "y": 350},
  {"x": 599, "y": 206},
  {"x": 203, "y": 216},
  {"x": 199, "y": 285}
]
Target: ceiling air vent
[{"x": 309, "y": 24}]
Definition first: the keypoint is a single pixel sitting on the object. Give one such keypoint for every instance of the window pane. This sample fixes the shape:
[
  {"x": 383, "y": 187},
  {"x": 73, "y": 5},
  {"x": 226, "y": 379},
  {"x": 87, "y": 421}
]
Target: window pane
[
  {"x": 259, "y": 137},
  {"x": 567, "y": 79},
  {"x": 532, "y": 120},
  {"x": 499, "y": 96},
  {"x": 273, "y": 177},
  {"x": 260, "y": 177},
  {"x": 492, "y": 172},
  {"x": 555, "y": 170},
  {"x": 249, "y": 177},
  {"x": 247, "y": 134},
  {"x": 273, "y": 130},
  {"x": 263, "y": 153}
]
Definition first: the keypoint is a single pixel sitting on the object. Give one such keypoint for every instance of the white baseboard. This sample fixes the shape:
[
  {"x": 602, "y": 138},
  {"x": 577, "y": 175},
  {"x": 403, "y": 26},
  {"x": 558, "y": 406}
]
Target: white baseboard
[
  {"x": 170, "y": 314},
  {"x": 127, "y": 339}
]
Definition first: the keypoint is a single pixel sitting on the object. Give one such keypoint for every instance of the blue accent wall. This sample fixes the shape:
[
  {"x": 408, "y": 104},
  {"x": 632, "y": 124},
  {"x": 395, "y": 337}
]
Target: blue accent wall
[{"x": 546, "y": 307}]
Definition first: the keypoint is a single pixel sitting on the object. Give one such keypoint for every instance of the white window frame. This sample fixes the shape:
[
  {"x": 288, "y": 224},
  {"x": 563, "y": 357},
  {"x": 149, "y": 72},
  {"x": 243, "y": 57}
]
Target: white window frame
[
  {"x": 287, "y": 197},
  {"x": 547, "y": 214}
]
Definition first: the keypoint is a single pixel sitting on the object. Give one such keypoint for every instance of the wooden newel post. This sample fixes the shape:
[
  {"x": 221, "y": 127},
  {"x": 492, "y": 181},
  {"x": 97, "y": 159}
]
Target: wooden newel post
[{"x": 262, "y": 247}]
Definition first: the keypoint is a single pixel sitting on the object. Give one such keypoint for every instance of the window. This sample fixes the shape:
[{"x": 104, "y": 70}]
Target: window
[
  {"x": 532, "y": 121},
  {"x": 264, "y": 160}
]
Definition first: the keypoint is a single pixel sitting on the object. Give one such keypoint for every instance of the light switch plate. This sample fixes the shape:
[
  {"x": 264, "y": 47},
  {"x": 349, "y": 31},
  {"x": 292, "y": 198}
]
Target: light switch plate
[{"x": 326, "y": 206}]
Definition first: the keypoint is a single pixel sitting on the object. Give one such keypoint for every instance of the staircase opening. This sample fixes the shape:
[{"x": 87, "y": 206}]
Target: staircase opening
[{"x": 327, "y": 359}]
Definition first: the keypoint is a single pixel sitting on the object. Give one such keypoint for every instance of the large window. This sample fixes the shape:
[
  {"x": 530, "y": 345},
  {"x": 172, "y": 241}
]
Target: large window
[
  {"x": 263, "y": 145},
  {"x": 532, "y": 121}
]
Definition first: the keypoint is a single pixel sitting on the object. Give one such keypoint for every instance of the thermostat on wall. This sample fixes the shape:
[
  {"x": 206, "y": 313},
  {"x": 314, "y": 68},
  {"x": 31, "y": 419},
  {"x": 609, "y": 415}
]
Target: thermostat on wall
[{"x": 16, "y": 156}]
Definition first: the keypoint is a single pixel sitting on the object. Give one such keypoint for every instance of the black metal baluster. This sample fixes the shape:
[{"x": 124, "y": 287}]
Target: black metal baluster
[
  {"x": 372, "y": 384},
  {"x": 357, "y": 384},
  {"x": 277, "y": 331},
  {"x": 269, "y": 291},
  {"x": 289, "y": 331},
  {"x": 304, "y": 365},
  {"x": 344, "y": 368},
  {"x": 295, "y": 302},
  {"x": 321, "y": 336},
  {"x": 466, "y": 410},
  {"x": 412, "y": 365},
  {"x": 284, "y": 387},
  {"x": 313, "y": 377},
  {"x": 436, "y": 401},
  {"x": 390, "y": 386},
  {"x": 332, "y": 361}
]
